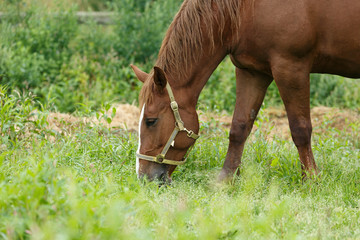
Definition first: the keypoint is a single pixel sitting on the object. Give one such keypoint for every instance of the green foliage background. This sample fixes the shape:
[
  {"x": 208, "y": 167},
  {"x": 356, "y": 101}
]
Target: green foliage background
[{"x": 68, "y": 65}]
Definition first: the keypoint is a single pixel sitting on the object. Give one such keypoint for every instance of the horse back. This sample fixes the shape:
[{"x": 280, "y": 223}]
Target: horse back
[{"x": 325, "y": 33}]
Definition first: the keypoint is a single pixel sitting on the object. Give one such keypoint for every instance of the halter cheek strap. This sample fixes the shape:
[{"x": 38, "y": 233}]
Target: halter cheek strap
[{"x": 179, "y": 127}]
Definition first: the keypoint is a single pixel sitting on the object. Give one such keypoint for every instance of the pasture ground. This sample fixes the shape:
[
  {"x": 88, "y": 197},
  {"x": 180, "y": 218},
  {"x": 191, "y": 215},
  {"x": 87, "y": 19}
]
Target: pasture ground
[{"x": 75, "y": 179}]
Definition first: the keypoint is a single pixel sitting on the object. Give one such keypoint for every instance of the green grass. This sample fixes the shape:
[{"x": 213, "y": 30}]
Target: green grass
[{"x": 81, "y": 184}]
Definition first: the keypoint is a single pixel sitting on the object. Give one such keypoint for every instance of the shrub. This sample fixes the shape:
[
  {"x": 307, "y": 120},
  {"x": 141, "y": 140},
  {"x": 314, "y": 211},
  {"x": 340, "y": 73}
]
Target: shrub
[
  {"x": 34, "y": 46},
  {"x": 140, "y": 27},
  {"x": 330, "y": 90}
]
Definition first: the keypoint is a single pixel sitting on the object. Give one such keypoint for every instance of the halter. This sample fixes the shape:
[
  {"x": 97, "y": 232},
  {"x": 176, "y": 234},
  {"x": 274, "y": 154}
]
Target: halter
[{"x": 179, "y": 127}]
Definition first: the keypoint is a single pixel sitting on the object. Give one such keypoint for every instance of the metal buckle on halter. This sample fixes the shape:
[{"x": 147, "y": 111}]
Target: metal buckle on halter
[
  {"x": 190, "y": 133},
  {"x": 174, "y": 106}
]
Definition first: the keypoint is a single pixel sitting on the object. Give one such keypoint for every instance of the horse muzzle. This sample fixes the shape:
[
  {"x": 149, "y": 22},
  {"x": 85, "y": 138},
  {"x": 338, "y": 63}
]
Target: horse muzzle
[{"x": 157, "y": 172}]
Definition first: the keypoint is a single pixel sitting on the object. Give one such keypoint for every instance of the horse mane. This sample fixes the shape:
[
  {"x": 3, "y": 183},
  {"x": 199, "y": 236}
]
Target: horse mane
[{"x": 183, "y": 42}]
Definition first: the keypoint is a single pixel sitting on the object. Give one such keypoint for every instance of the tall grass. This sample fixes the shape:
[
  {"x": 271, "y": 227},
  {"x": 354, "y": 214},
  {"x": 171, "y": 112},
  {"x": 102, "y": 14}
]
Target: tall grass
[{"x": 83, "y": 186}]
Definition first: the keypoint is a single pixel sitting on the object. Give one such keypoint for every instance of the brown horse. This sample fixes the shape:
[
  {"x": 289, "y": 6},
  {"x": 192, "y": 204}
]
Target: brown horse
[{"x": 266, "y": 40}]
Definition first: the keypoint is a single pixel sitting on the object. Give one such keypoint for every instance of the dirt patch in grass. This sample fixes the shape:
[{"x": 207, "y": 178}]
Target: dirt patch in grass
[
  {"x": 323, "y": 119},
  {"x": 126, "y": 117},
  {"x": 273, "y": 120}
]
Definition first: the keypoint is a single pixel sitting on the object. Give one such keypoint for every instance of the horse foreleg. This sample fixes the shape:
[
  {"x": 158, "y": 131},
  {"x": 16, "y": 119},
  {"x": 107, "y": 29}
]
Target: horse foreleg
[
  {"x": 250, "y": 91},
  {"x": 293, "y": 82}
]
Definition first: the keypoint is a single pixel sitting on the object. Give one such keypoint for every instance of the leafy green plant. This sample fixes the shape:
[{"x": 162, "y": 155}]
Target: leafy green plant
[{"x": 17, "y": 117}]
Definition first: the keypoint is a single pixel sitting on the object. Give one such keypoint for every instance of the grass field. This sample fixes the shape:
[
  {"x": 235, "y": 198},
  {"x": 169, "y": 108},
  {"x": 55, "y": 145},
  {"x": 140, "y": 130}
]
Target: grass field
[{"x": 80, "y": 183}]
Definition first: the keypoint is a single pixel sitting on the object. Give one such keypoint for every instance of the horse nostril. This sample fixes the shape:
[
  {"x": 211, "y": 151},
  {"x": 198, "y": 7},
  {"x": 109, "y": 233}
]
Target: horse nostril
[
  {"x": 162, "y": 177},
  {"x": 157, "y": 173}
]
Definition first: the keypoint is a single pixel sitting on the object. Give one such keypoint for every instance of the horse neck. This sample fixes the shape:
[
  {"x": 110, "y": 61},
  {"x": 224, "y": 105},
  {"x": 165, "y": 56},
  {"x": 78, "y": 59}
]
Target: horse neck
[
  {"x": 195, "y": 44},
  {"x": 188, "y": 83},
  {"x": 200, "y": 73}
]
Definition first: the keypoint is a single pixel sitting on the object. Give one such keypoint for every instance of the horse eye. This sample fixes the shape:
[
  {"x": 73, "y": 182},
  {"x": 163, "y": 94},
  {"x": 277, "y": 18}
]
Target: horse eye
[{"x": 150, "y": 121}]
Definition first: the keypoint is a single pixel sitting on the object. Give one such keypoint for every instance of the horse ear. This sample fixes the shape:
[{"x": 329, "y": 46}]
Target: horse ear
[
  {"x": 141, "y": 75},
  {"x": 159, "y": 77}
]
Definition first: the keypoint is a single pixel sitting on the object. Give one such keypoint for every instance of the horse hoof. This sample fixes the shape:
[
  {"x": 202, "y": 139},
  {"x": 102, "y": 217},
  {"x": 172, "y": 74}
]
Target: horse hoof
[
  {"x": 314, "y": 175},
  {"x": 224, "y": 177}
]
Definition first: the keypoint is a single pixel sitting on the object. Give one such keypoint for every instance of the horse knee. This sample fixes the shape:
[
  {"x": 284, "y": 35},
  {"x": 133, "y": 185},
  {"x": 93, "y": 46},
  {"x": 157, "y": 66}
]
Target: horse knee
[
  {"x": 301, "y": 134},
  {"x": 239, "y": 131}
]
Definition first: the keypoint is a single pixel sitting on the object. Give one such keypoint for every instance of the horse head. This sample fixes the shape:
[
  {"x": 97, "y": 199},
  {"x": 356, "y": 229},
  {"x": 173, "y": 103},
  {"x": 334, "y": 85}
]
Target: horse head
[{"x": 167, "y": 127}]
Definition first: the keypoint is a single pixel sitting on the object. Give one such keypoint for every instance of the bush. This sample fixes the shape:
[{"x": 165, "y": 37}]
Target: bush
[
  {"x": 33, "y": 48},
  {"x": 330, "y": 90},
  {"x": 140, "y": 27}
]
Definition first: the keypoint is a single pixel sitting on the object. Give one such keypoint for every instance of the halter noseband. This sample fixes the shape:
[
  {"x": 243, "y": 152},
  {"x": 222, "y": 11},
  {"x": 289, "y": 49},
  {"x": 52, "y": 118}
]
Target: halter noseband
[{"x": 179, "y": 127}]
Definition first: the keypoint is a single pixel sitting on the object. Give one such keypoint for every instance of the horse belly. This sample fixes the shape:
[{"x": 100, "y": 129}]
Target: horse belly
[{"x": 337, "y": 25}]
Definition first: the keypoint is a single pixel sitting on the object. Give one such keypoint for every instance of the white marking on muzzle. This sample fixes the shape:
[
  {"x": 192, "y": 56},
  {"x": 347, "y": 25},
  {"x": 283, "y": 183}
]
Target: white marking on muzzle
[{"x": 139, "y": 143}]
